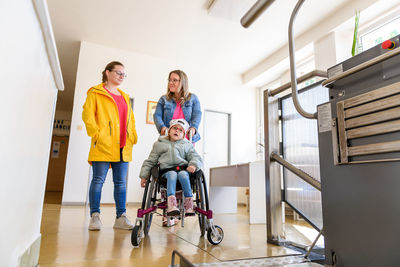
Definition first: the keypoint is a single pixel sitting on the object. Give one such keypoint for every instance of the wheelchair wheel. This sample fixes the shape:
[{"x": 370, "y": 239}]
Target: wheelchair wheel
[
  {"x": 200, "y": 203},
  {"x": 136, "y": 237},
  {"x": 215, "y": 239},
  {"x": 151, "y": 201}
]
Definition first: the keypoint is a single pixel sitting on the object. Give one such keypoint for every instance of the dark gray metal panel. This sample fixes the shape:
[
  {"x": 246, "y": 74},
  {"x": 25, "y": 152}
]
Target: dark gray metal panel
[
  {"x": 361, "y": 202},
  {"x": 361, "y": 210}
]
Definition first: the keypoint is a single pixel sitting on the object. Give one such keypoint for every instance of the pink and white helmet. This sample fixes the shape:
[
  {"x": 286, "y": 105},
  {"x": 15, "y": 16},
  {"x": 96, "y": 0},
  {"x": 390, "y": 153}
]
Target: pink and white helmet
[{"x": 183, "y": 123}]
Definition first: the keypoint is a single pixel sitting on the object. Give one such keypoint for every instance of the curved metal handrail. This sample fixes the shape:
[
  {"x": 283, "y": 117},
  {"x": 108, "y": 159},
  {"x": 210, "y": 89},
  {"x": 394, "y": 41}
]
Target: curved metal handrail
[
  {"x": 293, "y": 66},
  {"x": 314, "y": 73},
  {"x": 254, "y": 12}
]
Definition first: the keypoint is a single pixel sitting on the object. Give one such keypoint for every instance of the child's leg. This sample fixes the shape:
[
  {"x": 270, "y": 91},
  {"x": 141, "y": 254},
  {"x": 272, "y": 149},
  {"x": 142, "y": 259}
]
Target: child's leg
[
  {"x": 183, "y": 177},
  {"x": 171, "y": 177},
  {"x": 184, "y": 180},
  {"x": 172, "y": 209}
]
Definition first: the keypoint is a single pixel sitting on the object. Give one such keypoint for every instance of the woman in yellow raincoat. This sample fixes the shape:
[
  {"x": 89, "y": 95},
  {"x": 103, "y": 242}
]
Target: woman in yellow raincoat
[{"x": 110, "y": 123}]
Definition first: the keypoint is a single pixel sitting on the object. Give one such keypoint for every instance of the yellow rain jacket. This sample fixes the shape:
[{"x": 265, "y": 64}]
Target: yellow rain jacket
[{"x": 100, "y": 114}]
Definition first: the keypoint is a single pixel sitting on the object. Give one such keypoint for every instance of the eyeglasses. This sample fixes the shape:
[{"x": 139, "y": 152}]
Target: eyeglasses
[
  {"x": 177, "y": 128},
  {"x": 173, "y": 81},
  {"x": 120, "y": 73}
]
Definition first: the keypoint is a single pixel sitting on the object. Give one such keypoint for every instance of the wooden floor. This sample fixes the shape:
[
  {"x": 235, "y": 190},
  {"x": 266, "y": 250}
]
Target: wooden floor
[{"x": 66, "y": 240}]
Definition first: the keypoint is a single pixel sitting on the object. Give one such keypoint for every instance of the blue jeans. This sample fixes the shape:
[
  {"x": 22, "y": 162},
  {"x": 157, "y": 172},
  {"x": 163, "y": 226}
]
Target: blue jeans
[
  {"x": 183, "y": 177},
  {"x": 100, "y": 169}
]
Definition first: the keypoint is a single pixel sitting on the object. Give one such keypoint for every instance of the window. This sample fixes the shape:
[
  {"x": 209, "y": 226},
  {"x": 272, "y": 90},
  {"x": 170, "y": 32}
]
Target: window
[{"x": 379, "y": 34}]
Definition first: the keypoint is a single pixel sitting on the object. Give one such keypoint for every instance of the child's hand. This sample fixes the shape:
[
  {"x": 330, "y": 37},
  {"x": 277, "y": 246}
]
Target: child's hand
[
  {"x": 143, "y": 182},
  {"x": 191, "y": 169}
]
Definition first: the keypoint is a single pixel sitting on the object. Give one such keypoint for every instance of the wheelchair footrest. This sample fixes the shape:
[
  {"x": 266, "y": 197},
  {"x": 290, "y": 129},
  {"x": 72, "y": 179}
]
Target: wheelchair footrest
[
  {"x": 207, "y": 213},
  {"x": 142, "y": 212}
]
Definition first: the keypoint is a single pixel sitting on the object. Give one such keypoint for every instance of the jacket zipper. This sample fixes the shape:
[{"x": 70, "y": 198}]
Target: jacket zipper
[
  {"x": 108, "y": 95},
  {"x": 173, "y": 151},
  {"x": 109, "y": 124},
  {"x": 129, "y": 116}
]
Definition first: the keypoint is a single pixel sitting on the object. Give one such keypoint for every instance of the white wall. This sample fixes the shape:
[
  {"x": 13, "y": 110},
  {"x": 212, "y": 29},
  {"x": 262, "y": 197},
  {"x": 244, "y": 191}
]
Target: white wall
[
  {"x": 29, "y": 94},
  {"x": 343, "y": 44},
  {"x": 147, "y": 76},
  {"x": 325, "y": 52}
]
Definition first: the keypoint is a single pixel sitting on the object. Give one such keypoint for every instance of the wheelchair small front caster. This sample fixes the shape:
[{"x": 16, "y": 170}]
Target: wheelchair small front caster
[
  {"x": 215, "y": 239},
  {"x": 136, "y": 236}
]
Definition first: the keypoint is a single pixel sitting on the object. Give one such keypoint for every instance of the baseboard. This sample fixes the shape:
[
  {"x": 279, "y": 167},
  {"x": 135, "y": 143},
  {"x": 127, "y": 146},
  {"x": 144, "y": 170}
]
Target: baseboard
[
  {"x": 30, "y": 257},
  {"x": 73, "y": 203},
  {"x": 105, "y": 204},
  {"x": 133, "y": 203}
]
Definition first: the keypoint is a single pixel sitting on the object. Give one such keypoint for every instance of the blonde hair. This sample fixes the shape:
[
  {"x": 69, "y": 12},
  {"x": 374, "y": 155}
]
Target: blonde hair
[{"x": 184, "y": 93}]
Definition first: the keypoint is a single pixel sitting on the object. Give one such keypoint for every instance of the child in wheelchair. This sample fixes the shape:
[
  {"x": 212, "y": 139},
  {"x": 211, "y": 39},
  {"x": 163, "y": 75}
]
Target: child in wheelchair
[
  {"x": 177, "y": 158},
  {"x": 172, "y": 158}
]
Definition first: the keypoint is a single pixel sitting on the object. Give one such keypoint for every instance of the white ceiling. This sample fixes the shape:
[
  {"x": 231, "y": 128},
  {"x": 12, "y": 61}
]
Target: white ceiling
[{"x": 177, "y": 29}]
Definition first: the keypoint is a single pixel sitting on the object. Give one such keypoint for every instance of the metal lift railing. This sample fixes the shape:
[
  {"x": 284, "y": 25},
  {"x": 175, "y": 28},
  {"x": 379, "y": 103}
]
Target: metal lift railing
[
  {"x": 273, "y": 181},
  {"x": 308, "y": 179},
  {"x": 270, "y": 117},
  {"x": 183, "y": 262}
]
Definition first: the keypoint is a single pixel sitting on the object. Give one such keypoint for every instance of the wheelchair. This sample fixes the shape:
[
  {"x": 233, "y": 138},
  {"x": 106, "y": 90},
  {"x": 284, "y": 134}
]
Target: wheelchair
[{"x": 155, "y": 197}]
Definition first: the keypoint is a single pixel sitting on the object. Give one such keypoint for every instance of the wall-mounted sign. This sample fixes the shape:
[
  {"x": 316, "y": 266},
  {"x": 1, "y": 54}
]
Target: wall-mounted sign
[{"x": 61, "y": 127}]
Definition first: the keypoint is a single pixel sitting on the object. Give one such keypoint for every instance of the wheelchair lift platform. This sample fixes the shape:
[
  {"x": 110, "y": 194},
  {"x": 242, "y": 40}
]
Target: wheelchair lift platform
[{"x": 288, "y": 261}]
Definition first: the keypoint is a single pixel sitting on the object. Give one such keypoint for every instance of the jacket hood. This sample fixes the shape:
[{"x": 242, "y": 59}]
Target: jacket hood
[
  {"x": 165, "y": 139},
  {"x": 99, "y": 89}
]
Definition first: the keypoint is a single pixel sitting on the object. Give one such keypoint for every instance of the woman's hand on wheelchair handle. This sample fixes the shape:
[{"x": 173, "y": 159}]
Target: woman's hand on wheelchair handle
[
  {"x": 143, "y": 182},
  {"x": 163, "y": 130},
  {"x": 192, "y": 131},
  {"x": 191, "y": 169}
]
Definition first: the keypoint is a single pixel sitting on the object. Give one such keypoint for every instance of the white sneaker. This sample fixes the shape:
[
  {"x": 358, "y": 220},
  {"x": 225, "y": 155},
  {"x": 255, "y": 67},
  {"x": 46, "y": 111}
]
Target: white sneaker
[
  {"x": 123, "y": 223},
  {"x": 95, "y": 223}
]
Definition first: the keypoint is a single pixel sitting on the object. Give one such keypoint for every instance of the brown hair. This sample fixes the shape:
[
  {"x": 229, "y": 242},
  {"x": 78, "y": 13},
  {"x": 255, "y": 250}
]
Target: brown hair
[
  {"x": 110, "y": 66},
  {"x": 184, "y": 94}
]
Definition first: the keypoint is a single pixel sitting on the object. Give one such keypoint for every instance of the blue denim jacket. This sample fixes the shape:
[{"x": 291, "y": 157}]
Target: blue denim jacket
[{"x": 191, "y": 110}]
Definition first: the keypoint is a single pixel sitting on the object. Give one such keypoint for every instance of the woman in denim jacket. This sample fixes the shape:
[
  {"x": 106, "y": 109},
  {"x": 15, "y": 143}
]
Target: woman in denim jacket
[{"x": 178, "y": 103}]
